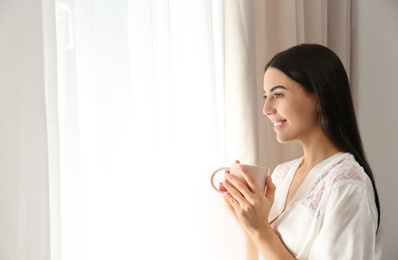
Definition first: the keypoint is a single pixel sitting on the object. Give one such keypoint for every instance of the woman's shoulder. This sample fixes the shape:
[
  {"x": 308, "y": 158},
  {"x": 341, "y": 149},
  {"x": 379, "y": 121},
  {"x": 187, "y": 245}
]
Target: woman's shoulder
[
  {"x": 345, "y": 170},
  {"x": 342, "y": 173}
]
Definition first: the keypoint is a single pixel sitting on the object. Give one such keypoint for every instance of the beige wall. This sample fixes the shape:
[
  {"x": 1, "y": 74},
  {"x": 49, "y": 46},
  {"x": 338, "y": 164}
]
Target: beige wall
[{"x": 375, "y": 80}]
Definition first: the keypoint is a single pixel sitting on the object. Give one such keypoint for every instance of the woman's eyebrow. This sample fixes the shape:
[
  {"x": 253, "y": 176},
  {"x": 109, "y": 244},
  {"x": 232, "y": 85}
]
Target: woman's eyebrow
[{"x": 275, "y": 88}]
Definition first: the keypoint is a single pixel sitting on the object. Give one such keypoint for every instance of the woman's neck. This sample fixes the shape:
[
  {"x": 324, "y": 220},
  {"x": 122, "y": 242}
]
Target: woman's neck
[{"x": 316, "y": 149}]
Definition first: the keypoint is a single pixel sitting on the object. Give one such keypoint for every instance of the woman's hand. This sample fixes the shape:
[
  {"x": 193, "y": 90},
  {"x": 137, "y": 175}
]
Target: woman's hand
[{"x": 250, "y": 206}]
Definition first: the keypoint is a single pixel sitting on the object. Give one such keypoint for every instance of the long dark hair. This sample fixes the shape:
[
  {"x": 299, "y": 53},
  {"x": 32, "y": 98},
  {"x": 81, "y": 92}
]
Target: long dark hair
[{"x": 320, "y": 71}]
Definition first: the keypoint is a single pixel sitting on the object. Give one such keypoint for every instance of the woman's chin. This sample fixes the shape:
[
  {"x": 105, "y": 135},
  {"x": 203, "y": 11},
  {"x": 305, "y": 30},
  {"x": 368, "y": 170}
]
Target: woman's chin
[{"x": 282, "y": 139}]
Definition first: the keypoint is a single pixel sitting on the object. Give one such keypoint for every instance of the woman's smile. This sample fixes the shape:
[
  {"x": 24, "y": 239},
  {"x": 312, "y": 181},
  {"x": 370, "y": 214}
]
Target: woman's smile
[{"x": 279, "y": 124}]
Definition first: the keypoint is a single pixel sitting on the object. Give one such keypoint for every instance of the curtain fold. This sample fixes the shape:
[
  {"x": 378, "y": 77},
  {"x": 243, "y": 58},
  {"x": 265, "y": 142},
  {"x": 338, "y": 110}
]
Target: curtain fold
[
  {"x": 51, "y": 102},
  {"x": 240, "y": 77}
]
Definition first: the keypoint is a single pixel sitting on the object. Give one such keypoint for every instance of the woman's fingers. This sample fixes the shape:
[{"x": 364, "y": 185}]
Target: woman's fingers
[
  {"x": 222, "y": 188},
  {"x": 242, "y": 193},
  {"x": 229, "y": 205},
  {"x": 250, "y": 180},
  {"x": 234, "y": 188},
  {"x": 232, "y": 203}
]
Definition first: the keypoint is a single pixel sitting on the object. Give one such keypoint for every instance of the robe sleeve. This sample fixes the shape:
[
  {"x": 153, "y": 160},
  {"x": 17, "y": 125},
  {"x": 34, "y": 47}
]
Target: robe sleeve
[{"x": 349, "y": 228}]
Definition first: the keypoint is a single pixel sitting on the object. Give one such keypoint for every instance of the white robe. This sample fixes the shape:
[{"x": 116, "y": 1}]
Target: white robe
[{"x": 332, "y": 215}]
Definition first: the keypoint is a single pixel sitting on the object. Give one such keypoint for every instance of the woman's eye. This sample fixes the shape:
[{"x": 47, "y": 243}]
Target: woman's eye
[
  {"x": 265, "y": 97},
  {"x": 277, "y": 95}
]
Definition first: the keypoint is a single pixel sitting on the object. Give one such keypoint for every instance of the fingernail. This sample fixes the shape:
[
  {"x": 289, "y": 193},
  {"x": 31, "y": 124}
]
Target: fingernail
[
  {"x": 225, "y": 183},
  {"x": 226, "y": 194},
  {"x": 227, "y": 175},
  {"x": 240, "y": 167}
]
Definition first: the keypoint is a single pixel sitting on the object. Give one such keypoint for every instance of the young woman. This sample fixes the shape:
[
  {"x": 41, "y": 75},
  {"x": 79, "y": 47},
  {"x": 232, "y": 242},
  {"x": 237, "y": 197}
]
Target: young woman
[{"x": 325, "y": 204}]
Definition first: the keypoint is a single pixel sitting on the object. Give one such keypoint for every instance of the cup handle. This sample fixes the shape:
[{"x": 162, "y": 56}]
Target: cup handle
[{"x": 212, "y": 178}]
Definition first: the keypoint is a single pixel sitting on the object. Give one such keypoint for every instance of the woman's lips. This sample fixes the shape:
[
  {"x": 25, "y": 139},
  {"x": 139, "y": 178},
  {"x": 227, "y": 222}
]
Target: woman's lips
[{"x": 278, "y": 124}]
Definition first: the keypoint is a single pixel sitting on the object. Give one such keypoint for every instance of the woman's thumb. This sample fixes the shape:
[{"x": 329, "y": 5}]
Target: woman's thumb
[{"x": 270, "y": 194}]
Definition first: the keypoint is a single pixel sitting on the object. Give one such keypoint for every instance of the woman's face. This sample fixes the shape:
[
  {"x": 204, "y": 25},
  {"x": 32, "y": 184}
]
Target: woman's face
[{"x": 292, "y": 110}]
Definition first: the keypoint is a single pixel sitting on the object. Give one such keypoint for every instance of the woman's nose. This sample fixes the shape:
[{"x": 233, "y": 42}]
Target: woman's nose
[{"x": 268, "y": 110}]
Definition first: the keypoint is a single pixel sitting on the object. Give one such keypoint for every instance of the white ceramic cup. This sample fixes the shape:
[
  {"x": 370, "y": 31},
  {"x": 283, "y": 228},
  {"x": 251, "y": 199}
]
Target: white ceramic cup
[{"x": 259, "y": 174}]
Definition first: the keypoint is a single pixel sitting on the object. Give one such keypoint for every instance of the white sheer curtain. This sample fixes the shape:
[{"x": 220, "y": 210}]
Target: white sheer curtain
[{"x": 141, "y": 111}]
